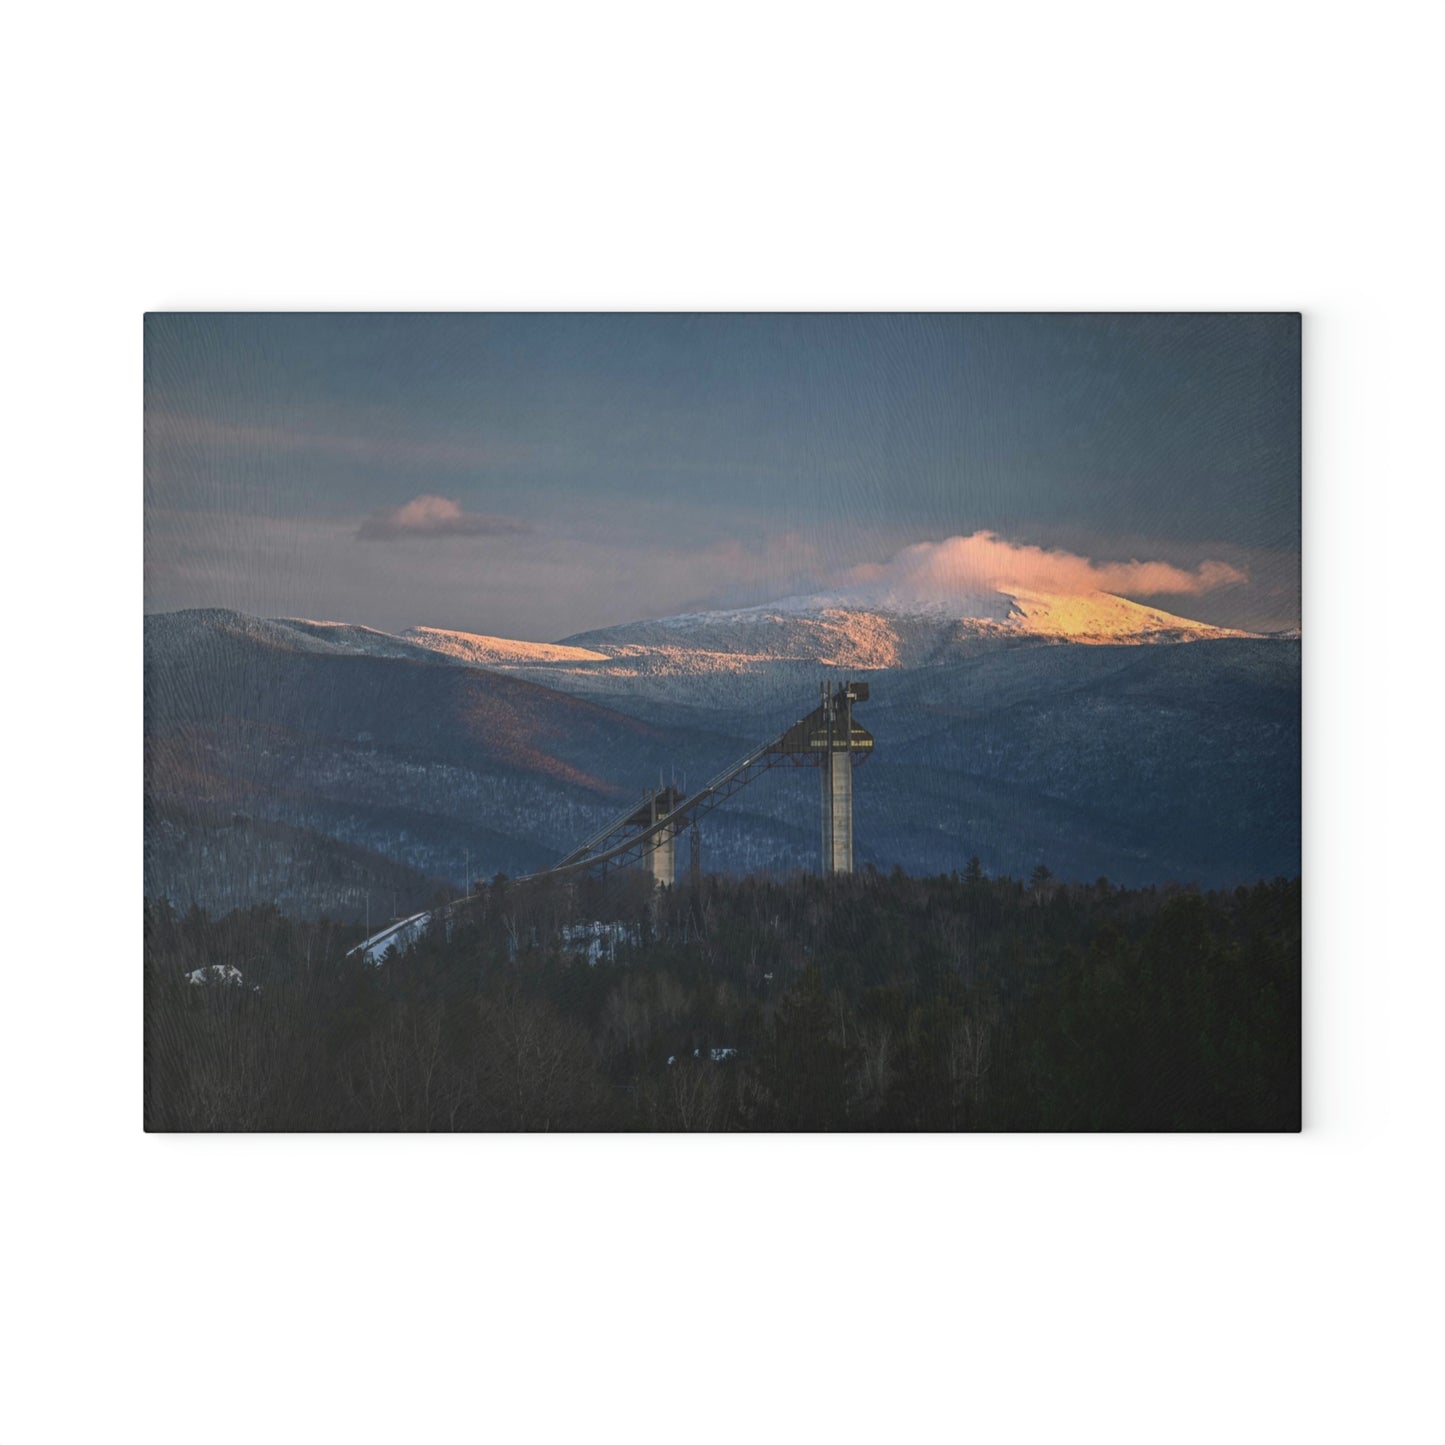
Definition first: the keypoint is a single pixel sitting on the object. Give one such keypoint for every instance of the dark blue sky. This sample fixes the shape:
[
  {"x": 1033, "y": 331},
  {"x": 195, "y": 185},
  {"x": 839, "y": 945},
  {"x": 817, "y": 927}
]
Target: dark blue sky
[{"x": 589, "y": 469}]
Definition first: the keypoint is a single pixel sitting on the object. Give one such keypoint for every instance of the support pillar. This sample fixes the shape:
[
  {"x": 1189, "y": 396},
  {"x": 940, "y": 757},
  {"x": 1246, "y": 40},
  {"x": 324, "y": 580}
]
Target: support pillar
[
  {"x": 837, "y": 771},
  {"x": 661, "y": 858}
]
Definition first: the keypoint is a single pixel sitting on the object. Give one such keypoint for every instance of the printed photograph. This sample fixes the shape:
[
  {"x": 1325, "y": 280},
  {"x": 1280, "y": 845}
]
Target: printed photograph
[{"x": 722, "y": 722}]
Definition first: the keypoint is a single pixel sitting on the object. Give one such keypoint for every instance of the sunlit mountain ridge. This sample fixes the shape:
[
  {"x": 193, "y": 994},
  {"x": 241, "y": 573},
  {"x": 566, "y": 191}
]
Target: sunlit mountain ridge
[
  {"x": 856, "y": 629},
  {"x": 756, "y": 652},
  {"x": 885, "y": 630},
  {"x": 496, "y": 651}
]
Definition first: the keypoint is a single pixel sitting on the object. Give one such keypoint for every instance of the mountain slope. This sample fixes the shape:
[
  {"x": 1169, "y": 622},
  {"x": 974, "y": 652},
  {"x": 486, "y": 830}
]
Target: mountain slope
[
  {"x": 753, "y": 654},
  {"x": 489, "y": 651},
  {"x": 876, "y": 632},
  {"x": 1160, "y": 750},
  {"x": 405, "y": 754},
  {"x": 717, "y": 657}
]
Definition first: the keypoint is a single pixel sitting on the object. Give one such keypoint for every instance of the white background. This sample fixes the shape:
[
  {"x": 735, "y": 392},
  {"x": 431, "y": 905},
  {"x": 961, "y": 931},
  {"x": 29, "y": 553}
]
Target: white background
[{"x": 1183, "y": 1289}]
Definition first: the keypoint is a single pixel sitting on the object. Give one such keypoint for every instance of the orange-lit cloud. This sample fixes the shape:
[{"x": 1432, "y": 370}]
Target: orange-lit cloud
[
  {"x": 428, "y": 516},
  {"x": 985, "y": 562}
]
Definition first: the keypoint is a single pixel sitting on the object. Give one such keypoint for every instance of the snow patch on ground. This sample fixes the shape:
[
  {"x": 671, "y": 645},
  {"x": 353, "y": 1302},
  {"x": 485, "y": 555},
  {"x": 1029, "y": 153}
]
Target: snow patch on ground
[
  {"x": 597, "y": 941},
  {"x": 225, "y": 974}
]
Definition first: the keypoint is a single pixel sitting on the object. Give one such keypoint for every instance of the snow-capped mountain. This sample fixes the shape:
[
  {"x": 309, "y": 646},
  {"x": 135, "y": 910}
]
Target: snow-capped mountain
[
  {"x": 496, "y": 651},
  {"x": 864, "y": 630},
  {"x": 858, "y": 631},
  {"x": 172, "y": 634},
  {"x": 745, "y": 655}
]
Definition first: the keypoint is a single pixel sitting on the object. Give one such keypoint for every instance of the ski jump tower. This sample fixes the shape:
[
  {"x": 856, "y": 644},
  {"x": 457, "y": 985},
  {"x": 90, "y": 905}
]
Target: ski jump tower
[
  {"x": 827, "y": 738},
  {"x": 837, "y": 772}
]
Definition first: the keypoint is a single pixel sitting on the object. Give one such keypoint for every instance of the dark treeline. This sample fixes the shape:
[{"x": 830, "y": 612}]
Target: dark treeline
[{"x": 868, "y": 1002}]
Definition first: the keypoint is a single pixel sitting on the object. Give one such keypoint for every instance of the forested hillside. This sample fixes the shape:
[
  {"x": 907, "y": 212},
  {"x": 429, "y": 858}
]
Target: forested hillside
[{"x": 860, "y": 1003}]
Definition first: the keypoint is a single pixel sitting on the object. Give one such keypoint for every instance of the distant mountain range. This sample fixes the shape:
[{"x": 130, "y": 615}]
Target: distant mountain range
[{"x": 314, "y": 763}]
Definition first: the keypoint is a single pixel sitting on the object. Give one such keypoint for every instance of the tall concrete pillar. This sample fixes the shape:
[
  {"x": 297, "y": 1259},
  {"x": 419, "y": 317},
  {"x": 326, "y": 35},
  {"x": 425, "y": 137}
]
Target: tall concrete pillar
[
  {"x": 662, "y": 849},
  {"x": 837, "y": 773},
  {"x": 837, "y": 770},
  {"x": 661, "y": 857}
]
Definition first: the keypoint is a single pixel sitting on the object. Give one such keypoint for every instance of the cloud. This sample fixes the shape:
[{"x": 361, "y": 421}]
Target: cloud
[
  {"x": 985, "y": 562},
  {"x": 428, "y": 516}
]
